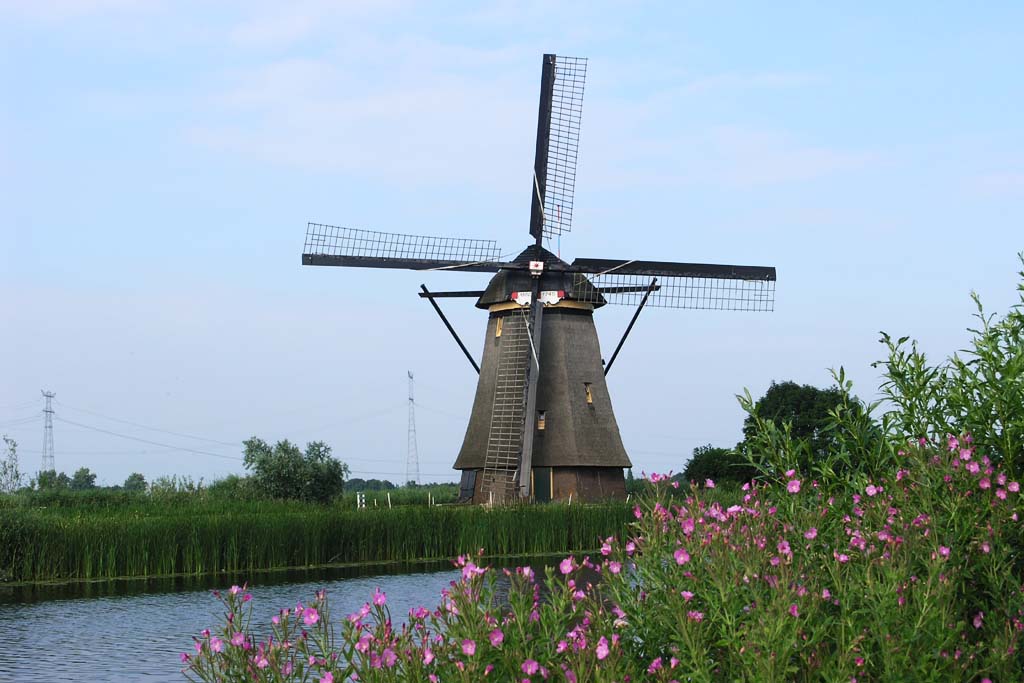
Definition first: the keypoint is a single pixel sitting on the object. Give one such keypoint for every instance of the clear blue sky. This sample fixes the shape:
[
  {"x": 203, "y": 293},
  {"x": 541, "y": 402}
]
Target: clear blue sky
[{"x": 159, "y": 161}]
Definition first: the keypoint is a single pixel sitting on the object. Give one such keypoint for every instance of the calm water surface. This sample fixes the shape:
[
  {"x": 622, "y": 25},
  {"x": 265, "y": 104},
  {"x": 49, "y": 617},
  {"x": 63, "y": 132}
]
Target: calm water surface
[{"x": 135, "y": 631}]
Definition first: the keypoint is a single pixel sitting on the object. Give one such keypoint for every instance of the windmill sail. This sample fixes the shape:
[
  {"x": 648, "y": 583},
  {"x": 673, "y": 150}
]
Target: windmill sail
[
  {"x": 330, "y": 245},
  {"x": 680, "y": 285},
  {"x": 558, "y": 137}
]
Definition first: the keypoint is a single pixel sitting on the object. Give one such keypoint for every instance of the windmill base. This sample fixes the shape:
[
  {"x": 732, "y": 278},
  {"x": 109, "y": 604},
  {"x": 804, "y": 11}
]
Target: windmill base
[{"x": 583, "y": 484}]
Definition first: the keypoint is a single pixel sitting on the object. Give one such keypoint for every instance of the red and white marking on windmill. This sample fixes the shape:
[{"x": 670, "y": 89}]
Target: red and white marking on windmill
[{"x": 548, "y": 298}]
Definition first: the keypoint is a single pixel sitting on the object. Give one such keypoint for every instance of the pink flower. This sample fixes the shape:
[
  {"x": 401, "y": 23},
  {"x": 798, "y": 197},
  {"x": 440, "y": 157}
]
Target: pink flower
[
  {"x": 783, "y": 547},
  {"x": 709, "y": 483},
  {"x": 984, "y": 483},
  {"x": 379, "y": 597},
  {"x": 825, "y": 594},
  {"x": 654, "y": 666},
  {"x": 606, "y": 547},
  {"x": 694, "y": 615},
  {"x": 496, "y": 637},
  {"x": 310, "y": 616},
  {"x": 237, "y": 639},
  {"x": 428, "y": 656},
  {"x": 614, "y": 567},
  {"x": 794, "y": 610},
  {"x": 978, "y": 619},
  {"x": 530, "y": 667},
  {"x": 566, "y": 565},
  {"x": 637, "y": 512},
  {"x": 216, "y": 644},
  {"x": 389, "y": 657},
  {"x": 871, "y": 490},
  {"x": 1013, "y": 487},
  {"x": 328, "y": 677},
  {"x": 687, "y": 595},
  {"x": 1001, "y": 494},
  {"x": 682, "y": 557},
  {"x": 261, "y": 661},
  {"x": 468, "y": 647},
  {"x": 602, "y": 648},
  {"x": 811, "y": 534},
  {"x": 234, "y": 590},
  {"x": 793, "y": 486},
  {"x": 944, "y": 551},
  {"x": 842, "y": 557}
]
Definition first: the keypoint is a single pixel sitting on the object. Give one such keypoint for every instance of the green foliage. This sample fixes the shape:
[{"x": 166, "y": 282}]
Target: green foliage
[
  {"x": 154, "y": 538},
  {"x": 135, "y": 483},
  {"x": 83, "y": 480},
  {"x": 285, "y": 472},
  {"x": 719, "y": 465},
  {"x": 10, "y": 474},
  {"x": 979, "y": 391},
  {"x": 805, "y": 414},
  {"x": 356, "y": 485},
  {"x": 50, "y": 480},
  {"x": 232, "y": 487}
]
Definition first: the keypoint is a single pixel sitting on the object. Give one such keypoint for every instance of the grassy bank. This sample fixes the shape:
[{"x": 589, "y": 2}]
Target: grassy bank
[{"x": 146, "y": 538}]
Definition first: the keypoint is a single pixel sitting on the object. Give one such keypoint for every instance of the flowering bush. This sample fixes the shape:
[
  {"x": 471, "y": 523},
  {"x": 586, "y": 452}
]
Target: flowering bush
[{"x": 914, "y": 577}]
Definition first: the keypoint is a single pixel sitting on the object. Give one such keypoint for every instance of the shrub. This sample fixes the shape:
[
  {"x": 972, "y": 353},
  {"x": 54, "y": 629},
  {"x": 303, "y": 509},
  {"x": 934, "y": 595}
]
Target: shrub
[
  {"x": 283, "y": 471},
  {"x": 718, "y": 464}
]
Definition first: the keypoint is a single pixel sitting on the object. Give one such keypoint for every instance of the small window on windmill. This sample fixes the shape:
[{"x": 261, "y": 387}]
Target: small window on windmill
[
  {"x": 590, "y": 394},
  {"x": 497, "y": 326},
  {"x": 541, "y": 420}
]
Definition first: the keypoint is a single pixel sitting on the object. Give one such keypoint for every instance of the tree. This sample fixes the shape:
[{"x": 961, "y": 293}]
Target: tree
[
  {"x": 283, "y": 471},
  {"x": 135, "y": 482},
  {"x": 809, "y": 413},
  {"x": 10, "y": 475},
  {"x": 804, "y": 406},
  {"x": 719, "y": 464},
  {"x": 83, "y": 480},
  {"x": 49, "y": 480}
]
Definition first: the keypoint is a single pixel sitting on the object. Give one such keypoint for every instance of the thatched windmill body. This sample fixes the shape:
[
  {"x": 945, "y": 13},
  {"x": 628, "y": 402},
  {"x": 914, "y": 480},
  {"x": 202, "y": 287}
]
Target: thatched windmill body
[{"x": 542, "y": 425}]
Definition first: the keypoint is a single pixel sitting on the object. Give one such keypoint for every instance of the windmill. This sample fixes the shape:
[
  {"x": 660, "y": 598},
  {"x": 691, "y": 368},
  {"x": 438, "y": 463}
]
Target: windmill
[{"x": 542, "y": 425}]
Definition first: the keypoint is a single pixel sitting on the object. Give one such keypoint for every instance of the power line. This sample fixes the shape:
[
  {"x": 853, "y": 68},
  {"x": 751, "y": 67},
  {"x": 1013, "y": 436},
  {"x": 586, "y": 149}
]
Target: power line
[
  {"x": 149, "y": 427},
  {"x": 34, "y": 403},
  {"x": 152, "y": 443},
  {"x": 21, "y": 421},
  {"x": 441, "y": 412}
]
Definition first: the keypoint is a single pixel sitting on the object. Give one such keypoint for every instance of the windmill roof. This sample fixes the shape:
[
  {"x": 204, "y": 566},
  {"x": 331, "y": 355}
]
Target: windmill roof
[{"x": 501, "y": 286}]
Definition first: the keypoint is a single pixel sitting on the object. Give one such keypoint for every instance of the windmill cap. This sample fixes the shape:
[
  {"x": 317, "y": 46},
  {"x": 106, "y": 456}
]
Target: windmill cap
[{"x": 501, "y": 287}]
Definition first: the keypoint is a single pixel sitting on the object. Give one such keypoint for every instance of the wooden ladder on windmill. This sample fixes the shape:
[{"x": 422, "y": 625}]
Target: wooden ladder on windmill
[{"x": 505, "y": 439}]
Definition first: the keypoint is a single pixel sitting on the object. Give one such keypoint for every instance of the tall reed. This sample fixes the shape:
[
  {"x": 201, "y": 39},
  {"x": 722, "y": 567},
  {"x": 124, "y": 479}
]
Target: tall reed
[{"x": 150, "y": 540}]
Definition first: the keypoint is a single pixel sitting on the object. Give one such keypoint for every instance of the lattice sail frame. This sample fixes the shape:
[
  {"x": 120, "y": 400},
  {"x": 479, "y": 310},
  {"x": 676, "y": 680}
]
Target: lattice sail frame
[
  {"x": 332, "y": 240},
  {"x": 563, "y": 144},
  {"x": 672, "y": 291}
]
